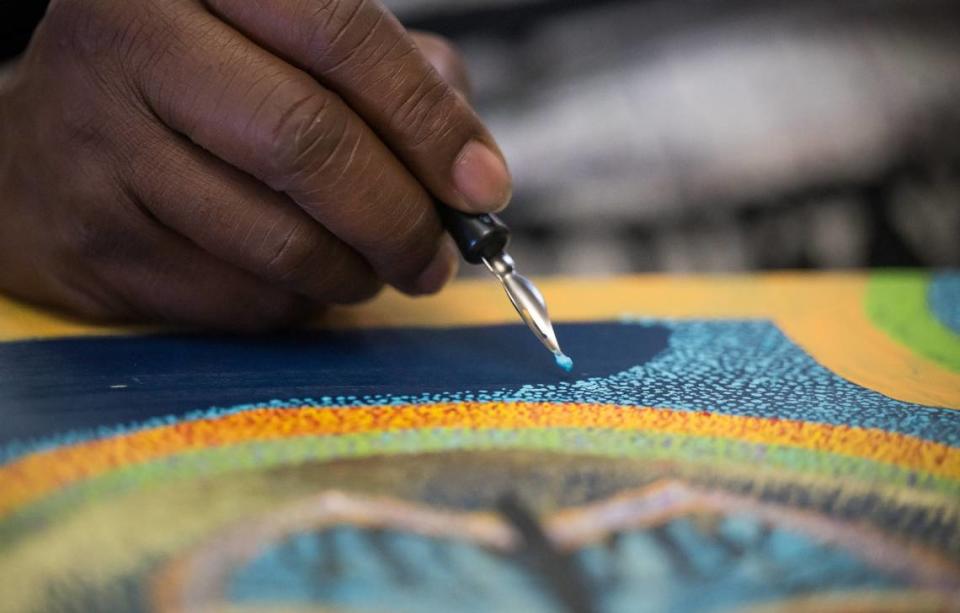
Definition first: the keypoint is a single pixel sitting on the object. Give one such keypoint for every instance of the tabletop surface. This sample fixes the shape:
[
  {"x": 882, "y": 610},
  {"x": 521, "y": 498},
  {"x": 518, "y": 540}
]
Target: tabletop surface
[{"x": 723, "y": 443}]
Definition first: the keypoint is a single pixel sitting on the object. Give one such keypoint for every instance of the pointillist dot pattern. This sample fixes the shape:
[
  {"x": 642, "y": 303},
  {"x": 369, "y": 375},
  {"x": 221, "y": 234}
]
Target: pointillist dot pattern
[
  {"x": 943, "y": 297},
  {"x": 745, "y": 368},
  {"x": 30, "y": 478},
  {"x": 731, "y": 409},
  {"x": 736, "y": 381},
  {"x": 750, "y": 368}
]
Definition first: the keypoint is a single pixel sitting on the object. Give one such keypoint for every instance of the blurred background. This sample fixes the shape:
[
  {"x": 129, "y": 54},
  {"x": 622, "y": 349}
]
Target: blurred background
[
  {"x": 683, "y": 135},
  {"x": 711, "y": 135}
]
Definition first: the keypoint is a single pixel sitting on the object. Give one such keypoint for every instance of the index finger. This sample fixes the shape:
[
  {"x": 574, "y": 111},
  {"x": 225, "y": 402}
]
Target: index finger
[
  {"x": 272, "y": 121},
  {"x": 359, "y": 49}
]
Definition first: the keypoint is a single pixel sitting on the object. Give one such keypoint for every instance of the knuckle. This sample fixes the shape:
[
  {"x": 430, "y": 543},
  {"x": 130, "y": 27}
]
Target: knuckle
[
  {"x": 293, "y": 256},
  {"x": 306, "y": 134},
  {"x": 324, "y": 15},
  {"x": 315, "y": 266},
  {"x": 108, "y": 33},
  {"x": 85, "y": 28},
  {"x": 341, "y": 29},
  {"x": 430, "y": 113}
]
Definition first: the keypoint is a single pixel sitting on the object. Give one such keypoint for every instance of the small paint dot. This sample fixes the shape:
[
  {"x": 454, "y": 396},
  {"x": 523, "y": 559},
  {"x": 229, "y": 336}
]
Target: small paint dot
[{"x": 564, "y": 362}]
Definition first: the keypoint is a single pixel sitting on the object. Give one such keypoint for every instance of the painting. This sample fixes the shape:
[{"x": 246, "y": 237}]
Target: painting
[{"x": 783, "y": 442}]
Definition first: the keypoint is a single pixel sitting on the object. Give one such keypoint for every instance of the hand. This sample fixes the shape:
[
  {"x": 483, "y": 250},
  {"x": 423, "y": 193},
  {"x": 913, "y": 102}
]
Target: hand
[{"x": 231, "y": 163}]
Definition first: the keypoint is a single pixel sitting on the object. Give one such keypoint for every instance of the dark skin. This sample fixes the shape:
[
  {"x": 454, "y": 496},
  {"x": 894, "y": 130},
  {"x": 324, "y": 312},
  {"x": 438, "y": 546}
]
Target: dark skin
[{"x": 233, "y": 163}]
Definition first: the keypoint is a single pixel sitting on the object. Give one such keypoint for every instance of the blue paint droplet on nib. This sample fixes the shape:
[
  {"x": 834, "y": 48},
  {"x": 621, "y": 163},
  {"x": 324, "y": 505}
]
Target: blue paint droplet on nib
[{"x": 564, "y": 362}]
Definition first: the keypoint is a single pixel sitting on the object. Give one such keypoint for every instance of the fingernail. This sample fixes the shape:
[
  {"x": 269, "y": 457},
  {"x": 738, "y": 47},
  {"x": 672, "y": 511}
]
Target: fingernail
[
  {"x": 482, "y": 178},
  {"x": 441, "y": 269}
]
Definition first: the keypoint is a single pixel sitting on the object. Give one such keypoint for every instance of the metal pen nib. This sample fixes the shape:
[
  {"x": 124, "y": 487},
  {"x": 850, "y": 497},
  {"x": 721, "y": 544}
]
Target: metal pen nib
[
  {"x": 484, "y": 238},
  {"x": 529, "y": 302}
]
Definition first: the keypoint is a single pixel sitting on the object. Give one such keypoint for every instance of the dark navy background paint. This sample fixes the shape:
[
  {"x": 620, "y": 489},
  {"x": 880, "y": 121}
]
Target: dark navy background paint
[{"x": 55, "y": 386}]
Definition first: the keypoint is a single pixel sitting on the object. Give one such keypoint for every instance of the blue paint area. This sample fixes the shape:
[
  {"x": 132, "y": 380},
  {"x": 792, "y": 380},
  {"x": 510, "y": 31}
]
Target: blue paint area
[
  {"x": 943, "y": 296},
  {"x": 729, "y": 367},
  {"x": 675, "y": 567},
  {"x": 564, "y": 362},
  {"x": 57, "y": 386}
]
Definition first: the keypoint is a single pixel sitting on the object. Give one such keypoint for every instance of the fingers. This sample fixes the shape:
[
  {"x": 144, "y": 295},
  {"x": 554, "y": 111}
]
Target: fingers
[
  {"x": 166, "y": 278},
  {"x": 358, "y": 49},
  {"x": 242, "y": 222},
  {"x": 276, "y": 123}
]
